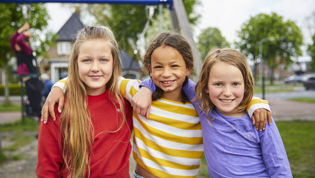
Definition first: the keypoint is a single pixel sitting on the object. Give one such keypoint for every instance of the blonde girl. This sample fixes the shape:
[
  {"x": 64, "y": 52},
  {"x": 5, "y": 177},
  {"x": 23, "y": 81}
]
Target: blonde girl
[
  {"x": 233, "y": 147},
  {"x": 91, "y": 136}
]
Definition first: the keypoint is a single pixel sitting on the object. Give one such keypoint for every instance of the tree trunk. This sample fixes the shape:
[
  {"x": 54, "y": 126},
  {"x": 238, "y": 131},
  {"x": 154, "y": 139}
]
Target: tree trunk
[
  {"x": 256, "y": 64},
  {"x": 6, "y": 86},
  {"x": 272, "y": 76}
]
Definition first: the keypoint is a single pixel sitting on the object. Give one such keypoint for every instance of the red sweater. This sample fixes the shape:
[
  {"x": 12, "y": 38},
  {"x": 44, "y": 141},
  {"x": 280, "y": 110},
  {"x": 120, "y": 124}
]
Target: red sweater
[{"x": 111, "y": 151}]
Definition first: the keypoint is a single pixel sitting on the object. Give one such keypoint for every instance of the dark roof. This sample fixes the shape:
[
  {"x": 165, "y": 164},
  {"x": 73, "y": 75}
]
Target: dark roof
[
  {"x": 127, "y": 63},
  {"x": 69, "y": 30}
]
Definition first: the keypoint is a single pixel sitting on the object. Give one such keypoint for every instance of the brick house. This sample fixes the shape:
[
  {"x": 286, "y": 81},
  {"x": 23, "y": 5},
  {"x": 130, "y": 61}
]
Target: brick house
[{"x": 59, "y": 54}]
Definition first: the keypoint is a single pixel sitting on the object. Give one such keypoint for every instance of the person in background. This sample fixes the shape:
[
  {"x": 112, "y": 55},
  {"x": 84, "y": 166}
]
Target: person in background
[
  {"x": 27, "y": 67},
  {"x": 47, "y": 85}
]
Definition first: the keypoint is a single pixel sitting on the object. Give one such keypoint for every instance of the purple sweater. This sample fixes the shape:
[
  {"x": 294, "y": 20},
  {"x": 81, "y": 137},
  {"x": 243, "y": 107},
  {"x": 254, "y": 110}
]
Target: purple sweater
[{"x": 234, "y": 148}]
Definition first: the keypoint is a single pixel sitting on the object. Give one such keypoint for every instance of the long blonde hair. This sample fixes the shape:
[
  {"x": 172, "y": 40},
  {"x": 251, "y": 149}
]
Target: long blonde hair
[
  {"x": 232, "y": 57},
  {"x": 75, "y": 122}
]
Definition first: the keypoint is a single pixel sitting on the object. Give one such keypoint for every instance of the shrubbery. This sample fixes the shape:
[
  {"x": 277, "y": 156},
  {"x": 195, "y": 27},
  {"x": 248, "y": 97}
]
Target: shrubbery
[{"x": 14, "y": 88}]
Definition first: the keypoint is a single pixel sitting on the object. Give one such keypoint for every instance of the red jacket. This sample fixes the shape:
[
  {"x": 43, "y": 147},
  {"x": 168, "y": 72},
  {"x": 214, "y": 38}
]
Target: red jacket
[{"x": 111, "y": 151}]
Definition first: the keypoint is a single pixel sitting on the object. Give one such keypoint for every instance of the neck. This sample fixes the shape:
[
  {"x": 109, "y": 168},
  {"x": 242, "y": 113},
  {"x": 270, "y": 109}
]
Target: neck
[
  {"x": 233, "y": 114},
  {"x": 172, "y": 96}
]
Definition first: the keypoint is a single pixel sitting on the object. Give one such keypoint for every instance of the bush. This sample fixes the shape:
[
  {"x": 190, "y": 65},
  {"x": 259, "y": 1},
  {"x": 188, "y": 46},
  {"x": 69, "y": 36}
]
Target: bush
[{"x": 14, "y": 89}]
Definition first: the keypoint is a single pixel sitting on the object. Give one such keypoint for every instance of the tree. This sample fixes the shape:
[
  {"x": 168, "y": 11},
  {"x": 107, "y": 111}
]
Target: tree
[
  {"x": 311, "y": 52},
  {"x": 127, "y": 21},
  {"x": 278, "y": 40},
  {"x": 12, "y": 17},
  {"x": 209, "y": 39}
]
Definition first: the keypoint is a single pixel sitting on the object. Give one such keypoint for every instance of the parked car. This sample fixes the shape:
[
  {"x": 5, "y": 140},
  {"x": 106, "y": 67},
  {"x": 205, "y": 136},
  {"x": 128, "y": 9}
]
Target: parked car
[
  {"x": 295, "y": 79},
  {"x": 309, "y": 83}
]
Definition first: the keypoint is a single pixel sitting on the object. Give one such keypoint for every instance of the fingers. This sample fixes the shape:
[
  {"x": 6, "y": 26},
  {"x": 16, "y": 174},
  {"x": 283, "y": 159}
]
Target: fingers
[
  {"x": 264, "y": 116},
  {"x": 60, "y": 104},
  {"x": 51, "y": 110},
  {"x": 44, "y": 113},
  {"x": 260, "y": 117},
  {"x": 148, "y": 112}
]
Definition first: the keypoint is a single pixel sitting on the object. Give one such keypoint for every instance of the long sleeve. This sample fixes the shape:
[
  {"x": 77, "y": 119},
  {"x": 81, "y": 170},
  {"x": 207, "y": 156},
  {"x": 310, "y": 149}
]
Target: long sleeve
[
  {"x": 189, "y": 89},
  {"x": 24, "y": 47},
  {"x": 128, "y": 87},
  {"x": 13, "y": 40},
  {"x": 274, "y": 153},
  {"x": 62, "y": 84},
  {"x": 49, "y": 163}
]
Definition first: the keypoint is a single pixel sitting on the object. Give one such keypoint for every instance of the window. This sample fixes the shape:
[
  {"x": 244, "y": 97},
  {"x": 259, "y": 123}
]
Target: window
[{"x": 64, "y": 48}]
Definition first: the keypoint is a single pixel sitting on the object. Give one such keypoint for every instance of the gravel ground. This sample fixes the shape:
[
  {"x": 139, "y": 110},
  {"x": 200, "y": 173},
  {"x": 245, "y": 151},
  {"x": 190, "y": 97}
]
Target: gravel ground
[{"x": 23, "y": 168}]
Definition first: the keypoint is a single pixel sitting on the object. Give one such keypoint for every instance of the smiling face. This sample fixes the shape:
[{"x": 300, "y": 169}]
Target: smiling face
[
  {"x": 226, "y": 88},
  {"x": 168, "y": 71},
  {"x": 95, "y": 64}
]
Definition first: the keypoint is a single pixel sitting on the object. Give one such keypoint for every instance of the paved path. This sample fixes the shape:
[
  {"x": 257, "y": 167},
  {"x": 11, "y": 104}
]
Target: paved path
[{"x": 6, "y": 117}]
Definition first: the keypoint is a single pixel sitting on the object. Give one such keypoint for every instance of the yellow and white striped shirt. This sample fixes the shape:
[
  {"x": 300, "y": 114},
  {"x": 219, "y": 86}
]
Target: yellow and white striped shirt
[{"x": 169, "y": 143}]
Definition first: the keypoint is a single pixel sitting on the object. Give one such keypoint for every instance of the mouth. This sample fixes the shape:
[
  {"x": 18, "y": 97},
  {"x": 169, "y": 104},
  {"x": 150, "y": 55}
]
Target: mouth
[
  {"x": 167, "y": 83},
  {"x": 226, "y": 100},
  {"x": 95, "y": 76}
]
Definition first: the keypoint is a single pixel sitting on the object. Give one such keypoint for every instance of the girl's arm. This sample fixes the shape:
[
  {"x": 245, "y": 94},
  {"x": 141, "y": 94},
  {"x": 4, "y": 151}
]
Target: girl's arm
[
  {"x": 49, "y": 163},
  {"x": 257, "y": 109},
  {"x": 126, "y": 87},
  {"x": 56, "y": 95},
  {"x": 273, "y": 152}
]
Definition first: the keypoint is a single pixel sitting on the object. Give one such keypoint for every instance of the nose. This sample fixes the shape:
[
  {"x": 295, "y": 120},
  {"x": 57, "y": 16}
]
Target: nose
[
  {"x": 166, "y": 72},
  {"x": 94, "y": 66},
  {"x": 227, "y": 91}
]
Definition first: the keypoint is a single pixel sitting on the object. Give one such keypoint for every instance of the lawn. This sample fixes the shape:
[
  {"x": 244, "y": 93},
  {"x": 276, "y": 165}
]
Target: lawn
[
  {"x": 10, "y": 107},
  {"x": 19, "y": 136},
  {"x": 303, "y": 100},
  {"x": 299, "y": 140}
]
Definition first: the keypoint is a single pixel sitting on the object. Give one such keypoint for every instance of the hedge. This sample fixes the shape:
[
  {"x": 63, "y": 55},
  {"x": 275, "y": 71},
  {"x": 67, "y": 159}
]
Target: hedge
[{"x": 14, "y": 89}]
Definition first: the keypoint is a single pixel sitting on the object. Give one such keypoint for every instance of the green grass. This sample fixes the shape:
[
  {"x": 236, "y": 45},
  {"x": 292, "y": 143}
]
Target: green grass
[
  {"x": 299, "y": 140},
  {"x": 303, "y": 100},
  {"x": 26, "y": 125},
  {"x": 3, "y": 157},
  {"x": 19, "y": 138},
  {"x": 10, "y": 107},
  {"x": 274, "y": 89}
]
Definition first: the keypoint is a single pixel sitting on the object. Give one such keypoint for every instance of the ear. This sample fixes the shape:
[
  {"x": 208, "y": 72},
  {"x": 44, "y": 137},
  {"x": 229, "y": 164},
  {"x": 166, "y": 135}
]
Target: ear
[
  {"x": 207, "y": 90},
  {"x": 188, "y": 71}
]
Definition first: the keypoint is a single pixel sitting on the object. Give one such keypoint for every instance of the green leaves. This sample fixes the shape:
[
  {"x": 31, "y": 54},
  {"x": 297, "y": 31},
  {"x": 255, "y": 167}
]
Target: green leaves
[
  {"x": 278, "y": 40},
  {"x": 209, "y": 39}
]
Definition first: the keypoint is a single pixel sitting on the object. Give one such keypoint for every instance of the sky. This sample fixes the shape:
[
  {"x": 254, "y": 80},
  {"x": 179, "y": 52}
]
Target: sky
[{"x": 227, "y": 15}]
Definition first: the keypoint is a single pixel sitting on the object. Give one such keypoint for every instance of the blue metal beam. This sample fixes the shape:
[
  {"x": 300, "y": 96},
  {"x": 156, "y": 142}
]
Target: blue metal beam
[{"x": 148, "y": 2}]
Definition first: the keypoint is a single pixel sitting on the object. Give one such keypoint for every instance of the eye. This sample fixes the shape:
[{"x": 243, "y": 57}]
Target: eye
[
  {"x": 157, "y": 67},
  {"x": 104, "y": 60},
  {"x": 235, "y": 84},
  {"x": 218, "y": 84},
  {"x": 174, "y": 66},
  {"x": 86, "y": 60}
]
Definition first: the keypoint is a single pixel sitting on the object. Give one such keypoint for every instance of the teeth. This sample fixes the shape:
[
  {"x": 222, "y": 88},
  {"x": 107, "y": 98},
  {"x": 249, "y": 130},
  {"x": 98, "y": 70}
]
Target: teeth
[
  {"x": 167, "y": 82},
  {"x": 226, "y": 100}
]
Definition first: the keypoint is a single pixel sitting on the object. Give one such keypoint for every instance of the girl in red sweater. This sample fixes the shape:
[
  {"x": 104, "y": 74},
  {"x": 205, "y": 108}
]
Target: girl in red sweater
[{"x": 91, "y": 137}]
